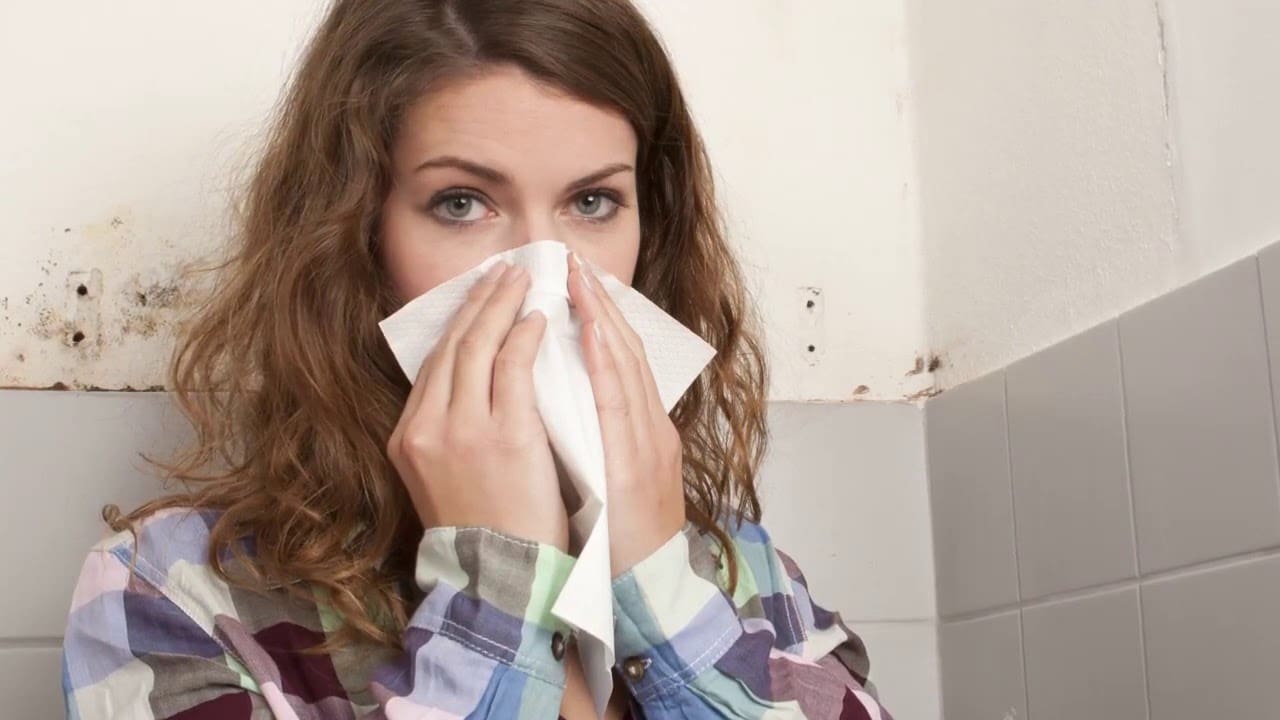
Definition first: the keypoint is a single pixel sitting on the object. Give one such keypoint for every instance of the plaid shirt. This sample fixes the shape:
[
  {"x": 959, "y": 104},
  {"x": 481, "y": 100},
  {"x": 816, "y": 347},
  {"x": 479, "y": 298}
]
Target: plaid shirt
[{"x": 172, "y": 640}]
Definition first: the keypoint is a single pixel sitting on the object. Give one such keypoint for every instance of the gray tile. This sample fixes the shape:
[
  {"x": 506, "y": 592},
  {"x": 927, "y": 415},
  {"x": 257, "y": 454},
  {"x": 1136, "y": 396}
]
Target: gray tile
[
  {"x": 982, "y": 669},
  {"x": 1212, "y": 641},
  {"x": 65, "y": 455},
  {"x": 904, "y": 666},
  {"x": 1066, "y": 446},
  {"x": 1269, "y": 268},
  {"x": 857, "y": 470},
  {"x": 31, "y": 682},
  {"x": 1202, "y": 446},
  {"x": 970, "y": 497},
  {"x": 1084, "y": 658}
]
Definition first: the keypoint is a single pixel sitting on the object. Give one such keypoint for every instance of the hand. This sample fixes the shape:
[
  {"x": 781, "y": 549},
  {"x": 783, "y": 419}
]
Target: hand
[
  {"x": 641, "y": 444},
  {"x": 470, "y": 446}
]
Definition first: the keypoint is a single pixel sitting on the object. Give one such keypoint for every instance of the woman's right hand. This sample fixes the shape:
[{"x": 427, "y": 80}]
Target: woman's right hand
[{"x": 470, "y": 446}]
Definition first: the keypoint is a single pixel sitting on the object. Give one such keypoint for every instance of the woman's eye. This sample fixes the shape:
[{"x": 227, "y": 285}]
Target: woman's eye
[
  {"x": 459, "y": 208},
  {"x": 590, "y": 205}
]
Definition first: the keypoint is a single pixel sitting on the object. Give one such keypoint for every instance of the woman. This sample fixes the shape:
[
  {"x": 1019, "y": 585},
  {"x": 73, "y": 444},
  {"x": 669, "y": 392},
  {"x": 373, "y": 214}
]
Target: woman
[{"x": 355, "y": 545}]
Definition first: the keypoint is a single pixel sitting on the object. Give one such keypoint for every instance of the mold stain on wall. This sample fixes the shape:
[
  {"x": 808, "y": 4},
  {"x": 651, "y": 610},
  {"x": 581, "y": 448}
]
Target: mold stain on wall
[{"x": 98, "y": 314}]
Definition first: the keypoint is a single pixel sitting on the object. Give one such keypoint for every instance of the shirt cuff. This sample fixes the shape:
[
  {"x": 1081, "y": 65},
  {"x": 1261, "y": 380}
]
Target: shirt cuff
[
  {"x": 670, "y": 623},
  {"x": 492, "y": 593}
]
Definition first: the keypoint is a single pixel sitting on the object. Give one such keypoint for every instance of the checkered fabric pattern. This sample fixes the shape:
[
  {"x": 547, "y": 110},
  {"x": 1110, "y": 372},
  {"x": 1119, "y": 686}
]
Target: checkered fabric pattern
[{"x": 169, "y": 639}]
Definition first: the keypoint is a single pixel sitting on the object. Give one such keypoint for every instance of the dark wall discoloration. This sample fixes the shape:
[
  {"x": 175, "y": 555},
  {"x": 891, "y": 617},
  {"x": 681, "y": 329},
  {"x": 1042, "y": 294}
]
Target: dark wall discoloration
[{"x": 921, "y": 364}]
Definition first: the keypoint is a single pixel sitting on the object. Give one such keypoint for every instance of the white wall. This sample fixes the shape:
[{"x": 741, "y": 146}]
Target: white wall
[
  {"x": 124, "y": 121},
  {"x": 1225, "y": 112},
  {"x": 136, "y": 114},
  {"x": 1046, "y": 197},
  {"x": 1077, "y": 159}
]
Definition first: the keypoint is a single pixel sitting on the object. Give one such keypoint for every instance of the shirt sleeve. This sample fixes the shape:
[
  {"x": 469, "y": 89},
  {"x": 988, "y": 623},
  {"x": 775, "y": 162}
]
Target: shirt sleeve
[
  {"x": 687, "y": 649},
  {"x": 479, "y": 644}
]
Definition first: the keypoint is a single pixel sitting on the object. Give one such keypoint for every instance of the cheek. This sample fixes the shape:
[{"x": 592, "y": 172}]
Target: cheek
[
  {"x": 617, "y": 255},
  {"x": 412, "y": 258}
]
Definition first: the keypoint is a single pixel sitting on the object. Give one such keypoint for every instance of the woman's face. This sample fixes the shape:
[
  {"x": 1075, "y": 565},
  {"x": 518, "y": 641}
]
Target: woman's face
[{"x": 496, "y": 161}]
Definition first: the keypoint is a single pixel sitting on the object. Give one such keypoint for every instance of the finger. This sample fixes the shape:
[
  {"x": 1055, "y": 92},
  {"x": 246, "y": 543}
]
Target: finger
[
  {"x": 435, "y": 376},
  {"x": 473, "y": 362},
  {"x": 513, "y": 396},
  {"x": 600, "y": 302},
  {"x": 626, "y": 364},
  {"x": 611, "y": 399},
  {"x": 610, "y": 308}
]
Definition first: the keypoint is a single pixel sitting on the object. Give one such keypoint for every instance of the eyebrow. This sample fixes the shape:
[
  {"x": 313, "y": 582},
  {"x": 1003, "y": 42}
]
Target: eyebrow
[{"x": 500, "y": 178}]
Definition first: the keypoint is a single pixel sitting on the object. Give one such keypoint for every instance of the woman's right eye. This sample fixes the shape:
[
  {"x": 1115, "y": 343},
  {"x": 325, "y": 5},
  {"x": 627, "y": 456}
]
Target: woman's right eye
[{"x": 459, "y": 208}]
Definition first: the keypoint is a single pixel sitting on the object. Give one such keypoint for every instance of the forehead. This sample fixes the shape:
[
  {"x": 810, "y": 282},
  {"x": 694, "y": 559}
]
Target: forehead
[{"x": 506, "y": 118}]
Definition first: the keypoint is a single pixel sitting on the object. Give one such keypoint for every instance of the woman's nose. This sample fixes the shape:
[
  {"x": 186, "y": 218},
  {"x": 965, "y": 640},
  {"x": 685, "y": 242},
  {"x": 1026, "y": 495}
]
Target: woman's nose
[{"x": 536, "y": 229}]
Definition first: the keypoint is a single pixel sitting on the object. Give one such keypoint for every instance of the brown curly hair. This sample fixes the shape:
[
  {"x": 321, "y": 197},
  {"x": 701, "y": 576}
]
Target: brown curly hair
[{"x": 282, "y": 370}]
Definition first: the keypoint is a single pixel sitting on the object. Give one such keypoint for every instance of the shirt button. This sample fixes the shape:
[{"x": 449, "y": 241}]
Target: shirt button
[
  {"x": 557, "y": 645},
  {"x": 633, "y": 668}
]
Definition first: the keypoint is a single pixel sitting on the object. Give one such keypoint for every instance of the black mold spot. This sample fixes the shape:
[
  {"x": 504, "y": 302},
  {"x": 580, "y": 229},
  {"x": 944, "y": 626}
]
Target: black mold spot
[
  {"x": 82, "y": 290},
  {"x": 77, "y": 337}
]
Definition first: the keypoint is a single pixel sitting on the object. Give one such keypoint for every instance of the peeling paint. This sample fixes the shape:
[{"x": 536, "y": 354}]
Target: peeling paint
[
  {"x": 916, "y": 368},
  {"x": 925, "y": 393}
]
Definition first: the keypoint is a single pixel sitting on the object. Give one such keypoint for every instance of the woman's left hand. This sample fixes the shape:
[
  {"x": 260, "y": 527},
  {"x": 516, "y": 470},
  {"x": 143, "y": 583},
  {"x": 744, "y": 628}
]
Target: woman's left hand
[{"x": 641, "y": 444}]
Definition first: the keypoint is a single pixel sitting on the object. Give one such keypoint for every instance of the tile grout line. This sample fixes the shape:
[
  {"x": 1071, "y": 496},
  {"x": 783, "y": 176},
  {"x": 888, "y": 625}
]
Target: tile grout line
[
  {"x": 1133, "y": 519},
  {"x": 1213, "y": 564},
  {"x": 30, "y": 643},
  {"x": 1013, "y": 522},
  {"x": 1266, "y": 345},
  {"x": 933, "y": 551}
]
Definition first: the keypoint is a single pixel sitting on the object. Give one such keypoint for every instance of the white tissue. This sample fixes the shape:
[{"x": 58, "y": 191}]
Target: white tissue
[{"x": 562, "y": 390}]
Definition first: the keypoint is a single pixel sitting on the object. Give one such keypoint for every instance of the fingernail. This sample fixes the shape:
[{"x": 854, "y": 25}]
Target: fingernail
[{"x": 495, "y": 270}]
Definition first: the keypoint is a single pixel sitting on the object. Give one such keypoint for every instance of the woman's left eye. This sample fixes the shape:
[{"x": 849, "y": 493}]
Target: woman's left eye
[{"x": 596, "y": 205}]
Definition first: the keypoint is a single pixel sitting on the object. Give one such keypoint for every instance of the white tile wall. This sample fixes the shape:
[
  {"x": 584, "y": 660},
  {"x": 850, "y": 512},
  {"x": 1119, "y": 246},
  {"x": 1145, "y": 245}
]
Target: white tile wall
[
  {"x": 970, "y": 497},
  {"x": 1084, "y": 658},
  {"x": 844, "y": 492},
  {"x": 66, "y": 454},
  {"x": 31, "y": 682},
  {"x": 1213, "y": 642},
  {"x": 904, "y": 666},
  {"x": 1067, "y": 452},
  {"x": 1202, "y": 441},
  {"x": 982, "y": 669}
]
